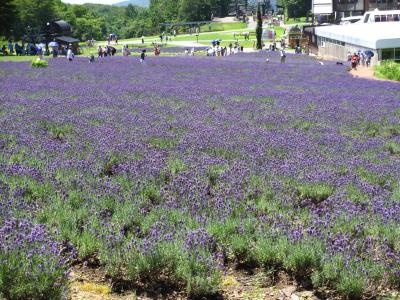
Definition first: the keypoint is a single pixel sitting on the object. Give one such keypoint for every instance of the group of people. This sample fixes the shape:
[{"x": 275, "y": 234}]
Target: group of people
[
  {"x": 112, "y": 37},
  {"x": 40, "y": 49},
  {"x": 360, "y": 58},
  {"x": 28, "y": 49},
  {"x": 191, "y": 52},
  {"x": 218, "y": 50},
  {"x": 106, "y": 51}
]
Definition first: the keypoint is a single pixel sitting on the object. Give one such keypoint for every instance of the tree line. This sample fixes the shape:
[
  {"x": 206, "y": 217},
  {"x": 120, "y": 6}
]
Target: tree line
[{"x": 96, "y": 21}]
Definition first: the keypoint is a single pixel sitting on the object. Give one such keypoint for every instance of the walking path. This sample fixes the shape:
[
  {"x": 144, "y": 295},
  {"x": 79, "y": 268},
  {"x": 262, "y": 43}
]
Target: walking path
[{"x": 363, "y": 72}]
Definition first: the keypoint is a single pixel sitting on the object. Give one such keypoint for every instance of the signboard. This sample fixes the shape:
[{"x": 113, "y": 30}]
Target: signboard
[
  {"x": 322, "y": 7},
  {"x": 268, "y": 34}
]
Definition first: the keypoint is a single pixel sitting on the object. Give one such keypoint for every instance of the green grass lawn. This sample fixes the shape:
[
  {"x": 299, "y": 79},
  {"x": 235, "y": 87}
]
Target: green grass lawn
[
  {"x": 293, "y": 21},
  {"x": 17, "y": 58},
  {"x": 218, "y": 31},
  {"x": 225, "y": 36},
  {"x": 222, "y": 26},
  {"x": 223, "y": 31}
]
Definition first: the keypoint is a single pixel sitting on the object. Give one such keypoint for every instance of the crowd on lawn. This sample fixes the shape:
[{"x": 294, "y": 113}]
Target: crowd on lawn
[
  {"x": 217, "y": 50},
  {"x": 40, "y": 49}
]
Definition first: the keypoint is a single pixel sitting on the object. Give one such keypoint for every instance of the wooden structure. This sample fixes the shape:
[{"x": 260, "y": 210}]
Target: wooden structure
[
  {"x": 295, "y": 37},
  {"x": 60, "y": 31}
]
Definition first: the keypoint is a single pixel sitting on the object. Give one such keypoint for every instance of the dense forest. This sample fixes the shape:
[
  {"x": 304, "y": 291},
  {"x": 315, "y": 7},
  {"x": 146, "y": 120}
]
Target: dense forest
[{"x": 96, "y": 21}]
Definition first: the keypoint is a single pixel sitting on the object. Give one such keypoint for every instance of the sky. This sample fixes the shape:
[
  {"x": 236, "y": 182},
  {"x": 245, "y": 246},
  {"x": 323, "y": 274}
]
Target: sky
[{"x": 91, "y": 1}]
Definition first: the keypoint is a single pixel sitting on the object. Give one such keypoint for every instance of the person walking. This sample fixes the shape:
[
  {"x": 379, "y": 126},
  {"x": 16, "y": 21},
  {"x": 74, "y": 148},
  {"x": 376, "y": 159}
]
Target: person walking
[
  {"x": 354, "y": 61},
  {"x": 348, "y": 56},
  {"x": 362, "y": 58},
  {"x": 283, "y": 56},
  {"x": 70, "y": 54}
]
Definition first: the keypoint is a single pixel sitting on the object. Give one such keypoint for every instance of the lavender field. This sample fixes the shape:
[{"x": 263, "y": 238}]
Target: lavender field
[{"x": 176, "y": 169}]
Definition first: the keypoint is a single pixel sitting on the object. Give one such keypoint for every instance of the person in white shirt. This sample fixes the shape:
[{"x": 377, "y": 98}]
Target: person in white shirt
[
  {"x": 283, "y": 56},
  {"x": 70, "y": 54}
]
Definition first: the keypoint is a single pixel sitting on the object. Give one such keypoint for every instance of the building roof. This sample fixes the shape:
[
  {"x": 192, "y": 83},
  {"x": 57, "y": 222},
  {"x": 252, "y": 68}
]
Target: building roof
[
  {"x": 67, "y": 39},
  {"x": 369, "y": 35},
  {"x": 59, "y": 27}
]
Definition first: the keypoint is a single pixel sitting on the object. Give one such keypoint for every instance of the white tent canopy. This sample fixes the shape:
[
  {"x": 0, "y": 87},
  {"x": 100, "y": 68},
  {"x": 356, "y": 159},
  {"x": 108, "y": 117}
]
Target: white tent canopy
[{"x": 369, "y": 35}]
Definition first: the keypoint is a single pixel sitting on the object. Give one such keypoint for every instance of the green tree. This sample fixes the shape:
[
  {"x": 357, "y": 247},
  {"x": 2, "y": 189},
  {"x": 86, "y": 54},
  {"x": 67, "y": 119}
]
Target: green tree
[
  {"x": 222, "y": 7},
  {"x": 7, "y": 17},
  {"x": 195, "y": 10},
  {"x": 33, "y": 13},
  {"x": 131, "y": 11},
  {"x": 259, "y": 27},
  {"x": 79, "y": 11},
  {"x": 295, "y": 8},
  {"x": 87, "y": 29}
]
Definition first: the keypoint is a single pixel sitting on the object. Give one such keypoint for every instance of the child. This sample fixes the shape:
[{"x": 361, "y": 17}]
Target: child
[
  {"x": 142, "y": 56},
  {"x": 91, "y": 58}
]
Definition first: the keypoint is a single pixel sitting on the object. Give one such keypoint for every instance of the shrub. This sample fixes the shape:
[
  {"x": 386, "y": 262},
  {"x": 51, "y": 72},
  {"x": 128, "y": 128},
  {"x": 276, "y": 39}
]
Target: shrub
[
  {"x": 388, "y": 69},
  {"x": 393, "y": 147},
  {"x": 239, "y": 244},
  {"x": 223, "y": 231},
  {"x": 111, "y": 163},
  {"x": 32, "y": 264},
  {"x": 162, "y": 143},
  {"x": 355, "y": 195},
  {"x": 200, "y": 273},
  {"x": 176, "y": 166},
  {"x": 213, "y": 173},
  {"x": 266, "y": 252},
  {"x": 348, "y": 281},
  {"x": 39, "y": 63},
  {"x": 303, "y": 257},
  {"x": 317, "y": 192},
  {"x": 57, "y": 131},
  {"x": 351, "y": 285},
  {"x": 372, "y": 178}
]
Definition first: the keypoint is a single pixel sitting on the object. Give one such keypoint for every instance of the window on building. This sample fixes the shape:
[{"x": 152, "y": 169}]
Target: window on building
[
  {"x": 387, "y": 54},
  {"x": 397, "y": 54}
]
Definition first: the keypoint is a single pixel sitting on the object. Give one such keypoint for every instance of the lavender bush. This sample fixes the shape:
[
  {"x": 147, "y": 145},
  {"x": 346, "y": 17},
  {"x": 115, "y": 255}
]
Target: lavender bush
[
  {"x": 33, "y": 265},
  {"x": 173, "y": 169}
]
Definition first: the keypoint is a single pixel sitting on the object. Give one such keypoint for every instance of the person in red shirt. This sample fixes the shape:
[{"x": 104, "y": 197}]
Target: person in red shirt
[{"x": 354, "y": 61}]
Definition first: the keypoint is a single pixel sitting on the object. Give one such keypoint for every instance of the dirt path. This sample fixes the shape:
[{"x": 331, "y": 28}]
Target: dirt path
[
  {"x": 368, "y": 73},
  {"x": 364, "y": 72},
  {"x": 91, "y": 283}
]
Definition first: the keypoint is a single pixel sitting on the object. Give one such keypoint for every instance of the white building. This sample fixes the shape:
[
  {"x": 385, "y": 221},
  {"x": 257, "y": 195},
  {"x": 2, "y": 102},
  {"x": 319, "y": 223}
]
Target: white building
[{"x": 383, "y": 39}]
